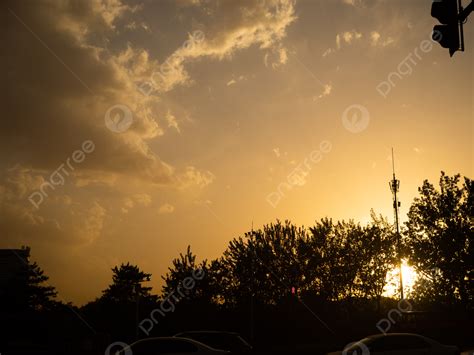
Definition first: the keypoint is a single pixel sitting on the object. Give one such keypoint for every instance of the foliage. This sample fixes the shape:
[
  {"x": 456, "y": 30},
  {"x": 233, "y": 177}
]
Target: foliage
[
  {"x": 127, "y": 285},
  {"x": 335, "y": 261},
  {"x": 29, "y": 290},
  {"x": 439, "y": 239},
  {"x": 185, "y": 267}
]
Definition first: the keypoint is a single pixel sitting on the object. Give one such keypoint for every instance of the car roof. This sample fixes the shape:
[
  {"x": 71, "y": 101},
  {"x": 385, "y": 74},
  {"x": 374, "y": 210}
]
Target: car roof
[
  {"x": 195, "y": 342},
  {"x": 207, "y": 332},
  {"x": 376, "y": 336}
]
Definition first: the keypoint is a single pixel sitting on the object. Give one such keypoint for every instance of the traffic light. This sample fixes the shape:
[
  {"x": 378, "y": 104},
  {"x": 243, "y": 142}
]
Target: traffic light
[{"x": 449, "y": 33}]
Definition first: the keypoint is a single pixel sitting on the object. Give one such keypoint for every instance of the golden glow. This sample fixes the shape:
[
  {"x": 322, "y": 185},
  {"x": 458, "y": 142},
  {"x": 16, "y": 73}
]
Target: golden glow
[
  {"x": 409, "y": 276},
  {"x": 263, "y": 101}
]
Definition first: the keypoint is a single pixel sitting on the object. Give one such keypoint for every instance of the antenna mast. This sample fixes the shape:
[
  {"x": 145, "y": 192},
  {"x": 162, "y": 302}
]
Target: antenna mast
[
  {"x": 394, "y": 187},
  {"x": 252, "y": 299}
]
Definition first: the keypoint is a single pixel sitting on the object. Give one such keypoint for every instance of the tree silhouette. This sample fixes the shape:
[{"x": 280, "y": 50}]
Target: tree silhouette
[
  {"x": 28, "y": 290},
  {"x": 186, "y": 268},
  {"x": 264, "y": 263},
  {"x": 127, "y": 285},
  {"x": 40, "y": 295},
  {"x": 123, "y": 303},
  {"x": 340, "y": 247},
  {"x": 439, "y": 239},
  {"x": 379, "y": 256},
  {"x": 336, "y": 261}
]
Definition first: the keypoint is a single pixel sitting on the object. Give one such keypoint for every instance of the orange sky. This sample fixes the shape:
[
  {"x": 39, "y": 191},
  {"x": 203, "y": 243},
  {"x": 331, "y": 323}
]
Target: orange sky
[{"x": 245, "y": 96}]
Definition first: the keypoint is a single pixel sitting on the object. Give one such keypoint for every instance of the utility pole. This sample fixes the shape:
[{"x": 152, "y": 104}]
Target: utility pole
[
  {"x": 252, "y": 298},
  {"x": 394, "y": 187},
  {"x": 137, "y": 309}
]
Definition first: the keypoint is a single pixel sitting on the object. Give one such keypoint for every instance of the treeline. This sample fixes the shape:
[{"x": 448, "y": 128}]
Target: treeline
[
  {"x": 331, "y": 260},
  {"x": 321, "y": 277}
]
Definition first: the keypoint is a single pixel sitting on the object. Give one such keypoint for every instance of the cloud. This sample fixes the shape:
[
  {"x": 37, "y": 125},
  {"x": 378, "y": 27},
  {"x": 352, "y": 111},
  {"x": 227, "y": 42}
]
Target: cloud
[
  {"x": 359, "y": 3},
  {"x": 239, "y": 25},
  {"x": 21, "y": 223},
  {"x": 172, "y": 122},
  {"x": 83, "y": 81},
  {"x": 235, "y": 26},
  {"x": 58, "y": 64},
  {"x": 347, "y": 38},
  {"x": 79, "y": 92},
  {"x": 326, "y": 92},
  {"x": 376, "y": 40},
  {"x": 235, "y": 80},
  {"x": 166, "y": 209},
  {"x": 135, "y": 200},
  {"x": 328, "y": 51},
  {"x": 193, "y": 177},
  {"x": 276, "y": 57}
]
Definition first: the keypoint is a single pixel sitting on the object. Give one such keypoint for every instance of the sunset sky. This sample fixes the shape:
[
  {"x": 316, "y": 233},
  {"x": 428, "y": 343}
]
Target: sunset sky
[{"x": 245, "y": 96}]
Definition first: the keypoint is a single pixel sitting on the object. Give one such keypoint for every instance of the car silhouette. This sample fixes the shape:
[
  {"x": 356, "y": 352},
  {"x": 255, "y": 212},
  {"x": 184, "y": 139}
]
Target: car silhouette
[
  {"x": 398, "y": 343},
  {"x": 229, "y": 341},
  {"x": 170, "y": 346}
]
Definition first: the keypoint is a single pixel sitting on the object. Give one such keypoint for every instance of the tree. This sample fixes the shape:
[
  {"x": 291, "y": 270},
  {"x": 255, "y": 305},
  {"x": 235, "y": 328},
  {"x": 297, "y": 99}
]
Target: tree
[
  {"x": 339, "y": 246},
  {"x": 127, "y": 284},
  {"x": 264, "y": 264},
  {"x": 40, "y": 295},
  {"x": 28, "y": 290},
  {"x": 188, "y": 278},
  {"x": 123, "y": 304},
  {"x": 336, "y": 261},
  {"x": 379, "y": 252},
  {"x": 439, "y": 238}
]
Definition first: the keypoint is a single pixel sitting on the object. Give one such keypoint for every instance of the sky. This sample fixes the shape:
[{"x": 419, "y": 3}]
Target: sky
[{"x": 132, "y": 129}]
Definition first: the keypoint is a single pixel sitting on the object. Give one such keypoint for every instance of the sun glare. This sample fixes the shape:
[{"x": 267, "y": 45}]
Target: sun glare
[{"x": 409, "y": 277}]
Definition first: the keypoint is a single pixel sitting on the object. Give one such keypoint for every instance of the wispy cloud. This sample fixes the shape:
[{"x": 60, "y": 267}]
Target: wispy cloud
[
  {"x": 326, "y": 92},
  {"x": 172, "y": 122},
  {"x": 166, "y": 209}
]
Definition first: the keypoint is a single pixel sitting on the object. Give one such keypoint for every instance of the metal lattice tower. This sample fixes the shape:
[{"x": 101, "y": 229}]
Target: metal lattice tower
[{"x": 394, "y": 187}]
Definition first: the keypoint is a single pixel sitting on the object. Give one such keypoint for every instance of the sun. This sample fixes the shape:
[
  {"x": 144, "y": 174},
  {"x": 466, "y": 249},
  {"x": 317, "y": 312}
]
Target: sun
[{"x": 409, "y": 277}]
